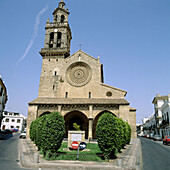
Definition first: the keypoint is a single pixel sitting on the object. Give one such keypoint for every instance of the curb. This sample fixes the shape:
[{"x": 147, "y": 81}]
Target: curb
[{"x": 29, "y": 158}]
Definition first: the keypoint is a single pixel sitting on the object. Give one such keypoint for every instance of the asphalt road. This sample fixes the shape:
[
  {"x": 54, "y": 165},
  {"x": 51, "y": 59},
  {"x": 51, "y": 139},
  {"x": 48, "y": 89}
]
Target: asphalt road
[
  {"x": 155, "y": 155},
  {"x": 9, "y": 154}
]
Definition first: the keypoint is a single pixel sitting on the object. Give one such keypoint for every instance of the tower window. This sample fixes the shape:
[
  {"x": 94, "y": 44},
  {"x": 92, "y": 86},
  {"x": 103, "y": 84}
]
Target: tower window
[
  {"x": 66, "y": 95},
  {"x": 56, "y": 18},
  {"x": 51, "y": 40},
  {"x": 62, "y": 18},
  {"x": 59, "y": 35},
  {"x": 58, "y": 45},
  {"x": 55, "y": 73}
]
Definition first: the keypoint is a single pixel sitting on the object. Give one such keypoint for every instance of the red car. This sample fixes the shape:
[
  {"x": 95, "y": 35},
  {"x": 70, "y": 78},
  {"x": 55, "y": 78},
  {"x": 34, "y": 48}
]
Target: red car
[{"x": 166, "y": 140}]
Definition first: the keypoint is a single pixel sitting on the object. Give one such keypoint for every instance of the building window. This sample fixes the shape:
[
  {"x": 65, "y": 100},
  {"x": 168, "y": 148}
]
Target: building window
[
  {"x": 1, "y": 91},
  {"x": 13, "y": 120},
  {"x": 12, "y": 127},
  {"x": 66, "y": 95},
  {"x": 62, "y": 18},
  {"x": 59, "y": 36},
  {"x": 18, "y": 120},
  {"x": 51, "y": 40},
  {"x": 109, "y": 94},
  {"x": 17, "y": 127},
  {"x": 89, "y": 95},
  {"x": 7, "y": 120}
]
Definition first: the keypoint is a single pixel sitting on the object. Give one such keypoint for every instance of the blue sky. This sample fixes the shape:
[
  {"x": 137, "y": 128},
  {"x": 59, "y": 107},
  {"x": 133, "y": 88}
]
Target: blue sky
[{"x": 132, "y": 38}]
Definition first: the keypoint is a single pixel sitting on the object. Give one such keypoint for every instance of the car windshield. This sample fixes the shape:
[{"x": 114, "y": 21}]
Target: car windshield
[{"x": 168, "y": 137}]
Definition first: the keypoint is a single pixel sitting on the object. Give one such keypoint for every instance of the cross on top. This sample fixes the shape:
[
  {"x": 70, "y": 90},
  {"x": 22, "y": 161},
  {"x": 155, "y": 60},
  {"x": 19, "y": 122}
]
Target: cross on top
[{"x": 80, "y": 46}]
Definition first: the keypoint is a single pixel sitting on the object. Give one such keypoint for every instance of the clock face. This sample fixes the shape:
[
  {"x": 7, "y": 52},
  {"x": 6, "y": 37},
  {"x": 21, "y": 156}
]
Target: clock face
[{"x": 55, "y": 30}]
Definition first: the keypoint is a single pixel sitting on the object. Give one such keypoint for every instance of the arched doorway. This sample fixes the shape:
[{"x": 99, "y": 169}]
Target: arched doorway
[
  {"x": 76, "y": 117},
  {"x": 96, "y": 120},
  {"x": 44, "y": 113}
]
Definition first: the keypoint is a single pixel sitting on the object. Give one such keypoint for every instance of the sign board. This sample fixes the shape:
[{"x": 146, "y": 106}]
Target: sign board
[
  {"x": 76, "y": 137},
  {"x": 83, "y": 145},
  {"x": 74, "y": 144}
]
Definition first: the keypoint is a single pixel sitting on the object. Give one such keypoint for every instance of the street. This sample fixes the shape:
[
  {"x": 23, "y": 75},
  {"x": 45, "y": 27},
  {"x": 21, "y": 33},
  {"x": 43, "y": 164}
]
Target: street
[
  {"x": 9, "y": 153},
  {"x": 155, "y": 155}
]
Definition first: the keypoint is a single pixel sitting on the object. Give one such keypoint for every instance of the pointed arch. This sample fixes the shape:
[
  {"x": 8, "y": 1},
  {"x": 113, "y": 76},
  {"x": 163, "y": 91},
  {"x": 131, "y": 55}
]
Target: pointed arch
[
  {"x": 96, "y": 120},
  {"x": 62, "y": 18},
  {"x": 76, "y": 117},
  {"x": 47, "y": 112}
]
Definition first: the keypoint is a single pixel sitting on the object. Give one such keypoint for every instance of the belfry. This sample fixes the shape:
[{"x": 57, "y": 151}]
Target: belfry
[{"x": 74, "y": 84}]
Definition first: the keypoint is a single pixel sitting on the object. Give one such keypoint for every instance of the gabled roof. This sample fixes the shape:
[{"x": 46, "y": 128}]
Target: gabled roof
[
  {"x": 80, "y": 51},
  {"x": 114, "y": 88}
]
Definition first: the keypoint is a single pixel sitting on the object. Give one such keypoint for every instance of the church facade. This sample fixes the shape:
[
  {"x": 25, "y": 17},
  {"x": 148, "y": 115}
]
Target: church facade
[{"x": 73, "y": 84}]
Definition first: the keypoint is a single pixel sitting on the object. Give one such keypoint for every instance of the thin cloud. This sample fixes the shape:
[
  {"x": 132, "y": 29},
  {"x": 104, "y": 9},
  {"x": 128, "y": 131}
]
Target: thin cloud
[{"x": 37, "y": 22}]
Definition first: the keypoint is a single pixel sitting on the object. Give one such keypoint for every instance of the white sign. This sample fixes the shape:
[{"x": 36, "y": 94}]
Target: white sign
[{"x": 76, "y": 137}]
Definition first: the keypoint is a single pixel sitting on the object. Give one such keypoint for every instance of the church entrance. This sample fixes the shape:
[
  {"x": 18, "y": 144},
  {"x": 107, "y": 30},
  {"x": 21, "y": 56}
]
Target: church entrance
[{"x": 76, "y": 117}]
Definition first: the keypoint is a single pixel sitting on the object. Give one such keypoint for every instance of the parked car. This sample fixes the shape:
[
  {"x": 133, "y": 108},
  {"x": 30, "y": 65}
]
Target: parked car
[
  {"x": 23, "y": 135},
  {"x": 166, "y": 140},
  {"x": 151, "y": 136},
  {"x": 146, "y": 135},
  {"x": 157, "y": 138},
  {"x": 15, "y": 130}
]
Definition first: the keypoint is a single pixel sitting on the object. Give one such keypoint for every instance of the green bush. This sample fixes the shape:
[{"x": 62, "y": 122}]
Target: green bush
[
  {"x": 48, "y": 132},
  {"x": 112, "y": 134},
  {"x": 124, "y": 136},
  {"x": 107, "y": 131},
  {"x": 129, "y": 133},
  {"x": 121, "y": 139}
]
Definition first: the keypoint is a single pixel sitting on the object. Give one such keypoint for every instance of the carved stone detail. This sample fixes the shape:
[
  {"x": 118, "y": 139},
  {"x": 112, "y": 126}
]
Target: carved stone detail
[{"x": 78, "y": 74}]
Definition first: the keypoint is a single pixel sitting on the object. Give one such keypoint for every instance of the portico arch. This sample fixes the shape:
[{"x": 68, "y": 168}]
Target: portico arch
[
  {"x": 96, "y": 120},
  {"x": 76, "y": 117},
  {"x": 44, "y": 113}
]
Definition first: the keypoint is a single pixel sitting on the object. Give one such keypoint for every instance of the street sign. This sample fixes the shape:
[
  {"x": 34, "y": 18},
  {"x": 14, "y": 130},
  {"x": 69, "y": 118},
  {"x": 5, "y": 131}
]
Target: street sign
[
  {"x": 82, "y": 145},
  {"x": 74, "y": 145}
]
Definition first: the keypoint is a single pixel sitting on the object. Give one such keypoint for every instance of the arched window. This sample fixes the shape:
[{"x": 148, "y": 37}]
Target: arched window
[
  {"x": 59, "y": 34},
  {"x": 62, "y": 18},
  {"x": 51, "y": 39}
]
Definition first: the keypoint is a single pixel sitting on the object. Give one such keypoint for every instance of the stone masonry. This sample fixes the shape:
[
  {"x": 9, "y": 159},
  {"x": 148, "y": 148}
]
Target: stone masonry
[{"x": 73, "y": 84}]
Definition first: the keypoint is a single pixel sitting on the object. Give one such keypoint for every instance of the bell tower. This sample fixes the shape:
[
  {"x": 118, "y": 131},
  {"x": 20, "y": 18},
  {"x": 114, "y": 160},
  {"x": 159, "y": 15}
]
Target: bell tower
[{"x": 58, "y": 34}]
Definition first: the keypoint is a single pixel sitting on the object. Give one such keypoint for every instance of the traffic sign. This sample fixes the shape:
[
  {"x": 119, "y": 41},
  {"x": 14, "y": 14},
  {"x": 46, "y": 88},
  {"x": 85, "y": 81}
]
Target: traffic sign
[
  {"x": 82, "y": 145},
  {"x": 74, "y": 144}
]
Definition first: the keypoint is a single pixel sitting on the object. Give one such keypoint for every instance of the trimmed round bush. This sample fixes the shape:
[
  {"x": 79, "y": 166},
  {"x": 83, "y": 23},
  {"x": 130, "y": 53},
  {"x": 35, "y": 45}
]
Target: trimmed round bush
[
  {"x": 107, "y": 131},
  {"x": 129, "y": 133},
  {"x": 48, "y": 132},
  {"x": 120, "y": 134}
]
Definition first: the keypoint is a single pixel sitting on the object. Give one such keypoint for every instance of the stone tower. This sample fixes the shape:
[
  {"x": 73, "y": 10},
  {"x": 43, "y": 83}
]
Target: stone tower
[
  {"x": 74, "y": 84},
  {"x": 56, "y": 48}
]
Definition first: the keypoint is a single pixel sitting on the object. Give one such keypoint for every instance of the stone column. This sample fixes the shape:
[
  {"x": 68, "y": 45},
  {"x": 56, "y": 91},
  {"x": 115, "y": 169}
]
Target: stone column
[
  {"x": 32, "y": 115},
  {"x": 90, "y": 133},
  {"x": 59, "y": 108},
  {"x": 47, "y": 39}
]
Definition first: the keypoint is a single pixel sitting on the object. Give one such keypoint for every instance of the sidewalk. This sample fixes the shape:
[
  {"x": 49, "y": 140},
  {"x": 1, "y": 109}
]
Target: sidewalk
[{"x": 129, "y": 159}]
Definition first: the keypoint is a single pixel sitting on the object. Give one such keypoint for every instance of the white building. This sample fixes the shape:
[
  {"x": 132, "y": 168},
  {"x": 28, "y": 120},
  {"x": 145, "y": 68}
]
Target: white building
[
  {"x": 13, "y": 121},
  {"x": 165, "y": 126},
  {"x": 3, "y": 98},
  {"x": 149, "y": 124},
  {"x": 162, "y": 114}
]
